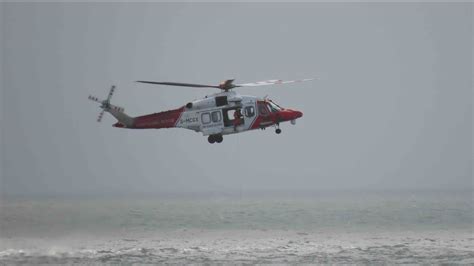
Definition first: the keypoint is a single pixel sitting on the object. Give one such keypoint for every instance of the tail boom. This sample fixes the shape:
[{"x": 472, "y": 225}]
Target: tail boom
[
  {"x": 166, "y": 119},
  {"x": 123, "y": 119}
]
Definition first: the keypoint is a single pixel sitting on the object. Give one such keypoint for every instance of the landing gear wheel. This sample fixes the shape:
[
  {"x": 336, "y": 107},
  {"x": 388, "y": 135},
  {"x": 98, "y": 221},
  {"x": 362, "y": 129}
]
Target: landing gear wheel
[
  {"x": 211, "y": 139},
  {"x": 219, "y": 138},
  {"x": 278, "y": 131}
]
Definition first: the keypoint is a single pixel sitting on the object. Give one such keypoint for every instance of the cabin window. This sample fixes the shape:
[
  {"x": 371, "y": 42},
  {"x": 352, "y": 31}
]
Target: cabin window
[
  {"x": 249, "y": 111},
  {"x": 216, "y": 116},
  {"x": 206, "y": 118}
]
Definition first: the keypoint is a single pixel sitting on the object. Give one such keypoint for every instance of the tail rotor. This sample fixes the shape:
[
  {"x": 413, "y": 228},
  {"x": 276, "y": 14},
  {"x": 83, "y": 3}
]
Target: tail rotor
[
  {"x": 105, "y": 104},
  {"x": 111, "y": 92},
  {"x": 101, "y": 114},
  {"x": 94, "y": 99}
]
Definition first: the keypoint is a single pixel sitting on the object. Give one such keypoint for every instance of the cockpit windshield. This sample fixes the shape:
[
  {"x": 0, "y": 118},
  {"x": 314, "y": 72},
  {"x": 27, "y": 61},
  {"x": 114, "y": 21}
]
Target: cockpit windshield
[{"x": 273, "y": 107}]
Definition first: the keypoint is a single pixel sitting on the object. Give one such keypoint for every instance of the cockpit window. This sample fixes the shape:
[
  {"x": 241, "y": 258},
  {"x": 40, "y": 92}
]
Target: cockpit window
[
  {"x": 273, "y": 107},
  {"x": 262, "y": 109}
]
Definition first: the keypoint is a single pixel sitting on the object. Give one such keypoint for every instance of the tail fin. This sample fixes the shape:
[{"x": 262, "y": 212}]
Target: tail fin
[{"x": 115, "y": 111}]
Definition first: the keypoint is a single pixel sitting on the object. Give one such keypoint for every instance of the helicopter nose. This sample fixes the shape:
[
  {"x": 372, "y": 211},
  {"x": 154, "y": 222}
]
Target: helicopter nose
[
  {"x": 289, "y": 114},
  {"x": 298, "y": 114}
]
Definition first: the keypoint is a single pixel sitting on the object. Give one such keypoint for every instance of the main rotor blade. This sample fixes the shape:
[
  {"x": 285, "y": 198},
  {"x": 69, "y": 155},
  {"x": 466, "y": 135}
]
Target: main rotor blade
[
  {"x": 271, "y": 82},
  {"x": 178, "y": 84}
]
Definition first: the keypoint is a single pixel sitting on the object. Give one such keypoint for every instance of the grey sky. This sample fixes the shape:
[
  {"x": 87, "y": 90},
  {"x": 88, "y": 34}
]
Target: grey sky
[{"x": 392, "y": 108}]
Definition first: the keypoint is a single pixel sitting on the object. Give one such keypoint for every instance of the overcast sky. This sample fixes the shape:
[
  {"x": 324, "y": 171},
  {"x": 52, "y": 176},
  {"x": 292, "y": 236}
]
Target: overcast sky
[{"x": 392, "y": 108}]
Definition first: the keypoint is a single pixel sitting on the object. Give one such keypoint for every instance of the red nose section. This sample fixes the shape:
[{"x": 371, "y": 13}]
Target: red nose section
[
  {"x": 298, "y": 114},
  {"x": 289, "y": 114}
]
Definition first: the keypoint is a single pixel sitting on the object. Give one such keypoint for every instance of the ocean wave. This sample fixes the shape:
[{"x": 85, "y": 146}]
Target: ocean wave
[{"x": 279, "y": 250}]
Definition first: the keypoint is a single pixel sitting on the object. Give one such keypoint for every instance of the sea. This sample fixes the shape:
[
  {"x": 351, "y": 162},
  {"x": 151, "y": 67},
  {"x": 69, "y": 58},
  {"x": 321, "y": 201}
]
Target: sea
[{"x": 293, "y": 227}]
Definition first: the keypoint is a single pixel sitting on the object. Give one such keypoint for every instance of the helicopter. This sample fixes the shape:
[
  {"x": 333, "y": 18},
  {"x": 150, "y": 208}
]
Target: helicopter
[{"x": 222, "y": 113}]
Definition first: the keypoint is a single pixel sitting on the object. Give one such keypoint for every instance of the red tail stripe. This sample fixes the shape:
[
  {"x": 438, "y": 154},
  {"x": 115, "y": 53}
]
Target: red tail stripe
[{"x": 164, "y": 119}]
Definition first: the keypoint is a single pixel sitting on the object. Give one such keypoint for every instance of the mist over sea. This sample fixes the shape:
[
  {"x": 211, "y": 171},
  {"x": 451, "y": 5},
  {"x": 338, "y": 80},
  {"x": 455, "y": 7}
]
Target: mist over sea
[{"x": 241, "y": 227}]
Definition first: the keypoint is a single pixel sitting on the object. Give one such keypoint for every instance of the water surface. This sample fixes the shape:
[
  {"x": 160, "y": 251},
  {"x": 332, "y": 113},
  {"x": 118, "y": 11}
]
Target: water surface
[{"x": 316, "y": 227}]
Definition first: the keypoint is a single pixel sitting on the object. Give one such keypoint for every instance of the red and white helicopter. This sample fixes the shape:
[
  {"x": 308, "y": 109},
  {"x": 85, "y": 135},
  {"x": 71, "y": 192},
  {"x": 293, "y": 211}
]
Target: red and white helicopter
[{"x": 216, "y": 115}]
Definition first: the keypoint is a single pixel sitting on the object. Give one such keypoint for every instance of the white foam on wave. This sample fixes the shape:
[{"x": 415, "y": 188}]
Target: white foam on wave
[{"x": 187, "y": 246}]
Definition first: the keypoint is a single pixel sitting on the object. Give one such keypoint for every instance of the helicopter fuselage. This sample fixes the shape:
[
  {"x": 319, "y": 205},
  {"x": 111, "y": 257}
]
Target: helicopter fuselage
[{"x": 219, "y": 114}]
